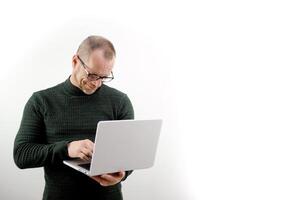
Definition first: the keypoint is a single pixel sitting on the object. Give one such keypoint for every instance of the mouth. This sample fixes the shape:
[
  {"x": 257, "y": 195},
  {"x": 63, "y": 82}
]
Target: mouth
[
  {"x": 91, "y": 87},
  {"x": 87, "y": 85}
]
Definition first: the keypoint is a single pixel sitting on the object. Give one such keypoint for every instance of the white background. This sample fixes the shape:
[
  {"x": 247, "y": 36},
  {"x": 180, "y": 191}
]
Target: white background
[{"x": 224, "y": 75}]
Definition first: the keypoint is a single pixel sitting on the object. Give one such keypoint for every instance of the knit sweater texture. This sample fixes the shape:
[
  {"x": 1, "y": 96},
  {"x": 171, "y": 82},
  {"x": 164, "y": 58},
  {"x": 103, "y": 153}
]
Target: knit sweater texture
[{"x": 56, "y": 116}]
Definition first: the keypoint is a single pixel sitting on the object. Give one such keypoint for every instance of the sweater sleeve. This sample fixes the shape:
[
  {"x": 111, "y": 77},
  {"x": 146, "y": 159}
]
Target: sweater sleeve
[
  {"x": 126, "y": 111},
  {"x": 30, "y": 147}
]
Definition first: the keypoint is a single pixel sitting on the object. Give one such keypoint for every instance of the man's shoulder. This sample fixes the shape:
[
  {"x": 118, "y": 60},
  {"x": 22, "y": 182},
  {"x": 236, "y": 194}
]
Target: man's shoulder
[{"x": 51, "y": 91}]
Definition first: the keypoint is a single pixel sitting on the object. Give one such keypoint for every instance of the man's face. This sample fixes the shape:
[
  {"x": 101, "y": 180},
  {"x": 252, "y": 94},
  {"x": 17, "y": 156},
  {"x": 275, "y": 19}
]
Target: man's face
[{"x": 96, "y": 64}]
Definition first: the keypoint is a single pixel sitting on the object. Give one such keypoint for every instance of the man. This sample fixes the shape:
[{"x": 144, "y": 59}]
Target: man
[{"x": 60, "y": 123}]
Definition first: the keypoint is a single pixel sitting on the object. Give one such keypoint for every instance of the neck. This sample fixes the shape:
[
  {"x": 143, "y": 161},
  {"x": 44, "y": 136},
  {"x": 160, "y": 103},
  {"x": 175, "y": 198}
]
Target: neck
[{"x": 73, "y": 81}]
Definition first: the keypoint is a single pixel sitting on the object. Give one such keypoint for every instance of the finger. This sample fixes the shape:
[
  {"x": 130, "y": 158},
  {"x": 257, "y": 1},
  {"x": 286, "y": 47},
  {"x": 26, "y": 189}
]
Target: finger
[
  {"x": 96, "y": 178},
  {"x": 87, "y": 152},
  {"x": 101, "y": 181},
  {"x": 89, "y": 144},
  {"x": 113, "y": 177},
  {"x": 119, "y": 174},
  {"x": 83, "y": 156},
  {"x": 108, "y": 178}
]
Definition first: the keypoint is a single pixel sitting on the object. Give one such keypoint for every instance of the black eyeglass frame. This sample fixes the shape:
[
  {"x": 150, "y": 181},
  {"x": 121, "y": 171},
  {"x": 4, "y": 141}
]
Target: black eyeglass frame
[{"x": 95, "y": 77}]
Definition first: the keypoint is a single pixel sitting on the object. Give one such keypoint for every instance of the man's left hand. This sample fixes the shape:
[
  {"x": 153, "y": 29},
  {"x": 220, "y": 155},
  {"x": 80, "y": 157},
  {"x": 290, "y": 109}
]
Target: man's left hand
[{"x": 109, "y": 179}]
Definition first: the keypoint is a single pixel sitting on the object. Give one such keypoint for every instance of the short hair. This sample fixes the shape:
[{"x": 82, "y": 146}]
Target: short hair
[{"x": 95, "y": 42}]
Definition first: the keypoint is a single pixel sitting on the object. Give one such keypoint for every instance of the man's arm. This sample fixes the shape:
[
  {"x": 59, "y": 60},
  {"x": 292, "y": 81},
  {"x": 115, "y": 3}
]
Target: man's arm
[{"x": 30, "y": 148}]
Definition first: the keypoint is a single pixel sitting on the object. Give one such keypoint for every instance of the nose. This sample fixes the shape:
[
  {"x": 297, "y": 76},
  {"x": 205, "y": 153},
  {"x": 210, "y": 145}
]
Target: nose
[{"x": 95, "y": 83}]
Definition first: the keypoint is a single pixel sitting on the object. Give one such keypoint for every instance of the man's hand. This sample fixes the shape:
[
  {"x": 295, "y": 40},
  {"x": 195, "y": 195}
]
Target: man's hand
[
  {"x": 81, "y": 149},
  {"x": 109, "y": 179}
]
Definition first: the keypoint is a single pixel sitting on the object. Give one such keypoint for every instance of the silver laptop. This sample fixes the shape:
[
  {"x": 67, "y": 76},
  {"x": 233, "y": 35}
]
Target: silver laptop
[{"x": 121, "y": 145}]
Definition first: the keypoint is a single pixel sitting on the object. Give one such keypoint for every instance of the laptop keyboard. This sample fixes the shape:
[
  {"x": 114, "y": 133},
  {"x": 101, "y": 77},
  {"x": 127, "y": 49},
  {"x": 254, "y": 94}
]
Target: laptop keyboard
[{"x": 86, "y": 166}]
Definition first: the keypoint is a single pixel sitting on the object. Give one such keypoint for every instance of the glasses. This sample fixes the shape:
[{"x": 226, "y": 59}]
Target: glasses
[{"x": 95, "y": 77}]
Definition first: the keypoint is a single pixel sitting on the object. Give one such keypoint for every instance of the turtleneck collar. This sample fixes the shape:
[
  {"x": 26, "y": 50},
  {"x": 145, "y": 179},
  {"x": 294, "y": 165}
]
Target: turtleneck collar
[{"x": 75, "y": 91}]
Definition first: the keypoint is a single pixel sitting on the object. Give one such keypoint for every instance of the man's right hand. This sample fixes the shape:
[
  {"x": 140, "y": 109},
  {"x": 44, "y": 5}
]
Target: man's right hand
[{"x": 81, "y": 149}]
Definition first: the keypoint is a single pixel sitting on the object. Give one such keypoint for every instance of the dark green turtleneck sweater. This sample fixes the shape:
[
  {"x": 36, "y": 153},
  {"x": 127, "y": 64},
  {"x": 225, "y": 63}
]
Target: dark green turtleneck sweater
[{"x": 56, "y": 116}]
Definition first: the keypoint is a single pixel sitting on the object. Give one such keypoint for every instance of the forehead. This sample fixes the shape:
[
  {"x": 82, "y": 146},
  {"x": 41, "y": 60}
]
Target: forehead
[
  {"x": 98, "y": 63},
  {"x": 97, "y": 58}
]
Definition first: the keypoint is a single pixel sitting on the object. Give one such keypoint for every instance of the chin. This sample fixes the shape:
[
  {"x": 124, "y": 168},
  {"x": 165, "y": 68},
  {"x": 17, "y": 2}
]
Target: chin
[
  {"x": 89, "y": 91},
  {"x": 86, "y": 89}
]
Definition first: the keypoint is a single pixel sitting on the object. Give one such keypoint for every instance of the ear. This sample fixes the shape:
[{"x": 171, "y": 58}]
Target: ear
[{"x": 74, "y": 61}]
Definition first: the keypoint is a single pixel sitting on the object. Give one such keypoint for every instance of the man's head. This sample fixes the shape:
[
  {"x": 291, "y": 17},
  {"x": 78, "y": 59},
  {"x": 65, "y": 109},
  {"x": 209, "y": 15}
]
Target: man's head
[{"x": 93, "y": 64}]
